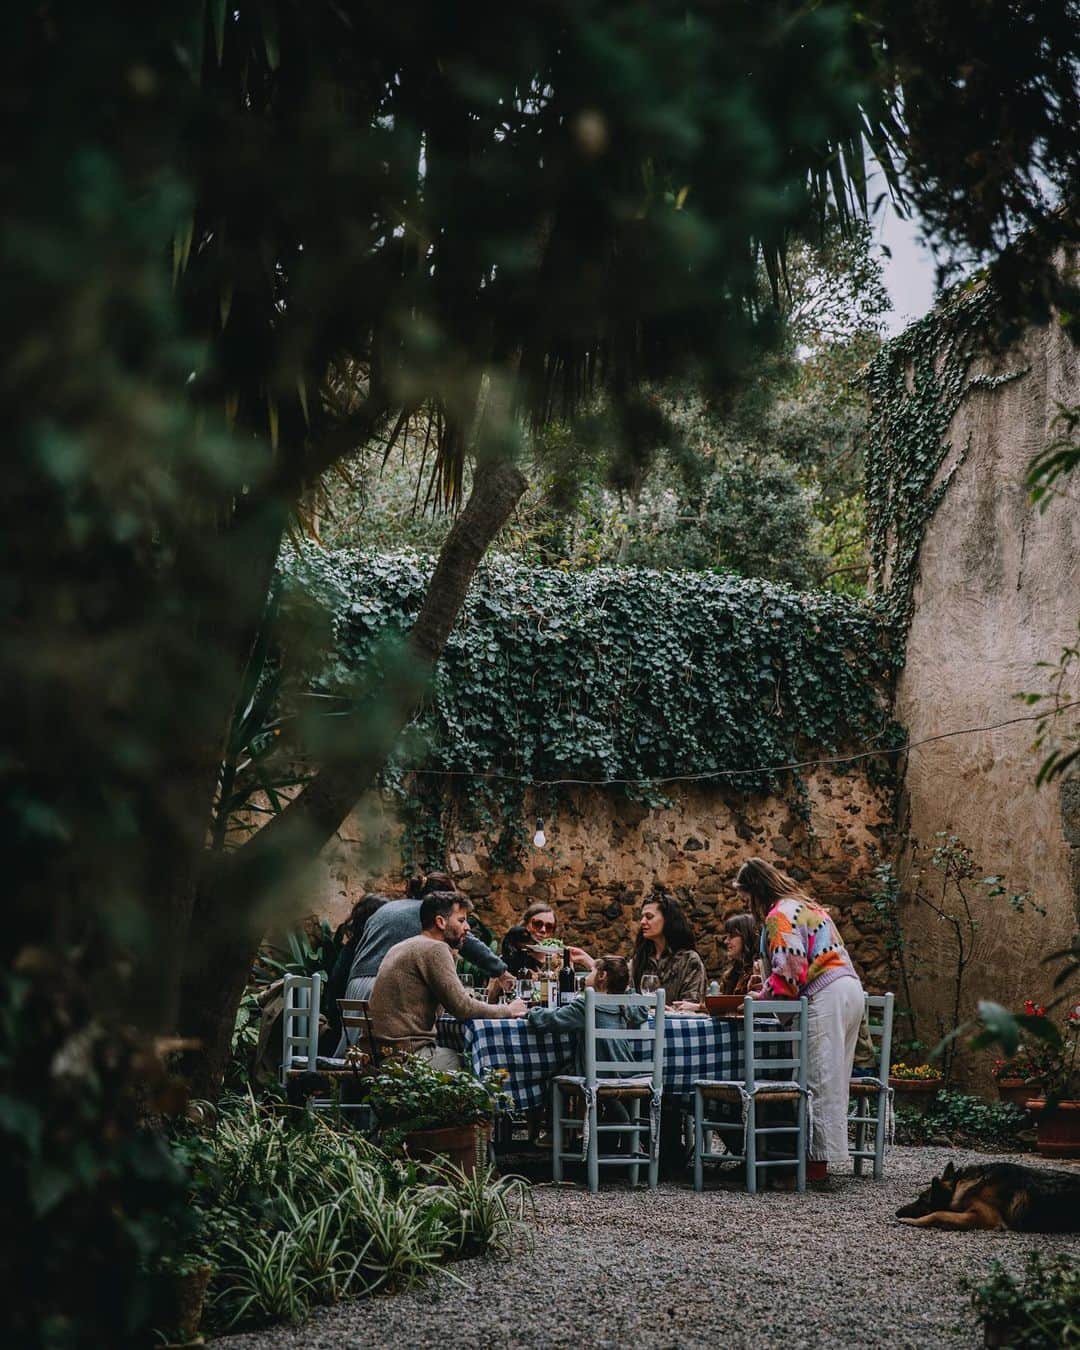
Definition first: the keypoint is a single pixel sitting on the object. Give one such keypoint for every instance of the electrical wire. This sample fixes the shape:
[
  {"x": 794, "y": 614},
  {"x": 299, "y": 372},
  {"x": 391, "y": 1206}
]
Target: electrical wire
[{"x": 756, "y": 771}]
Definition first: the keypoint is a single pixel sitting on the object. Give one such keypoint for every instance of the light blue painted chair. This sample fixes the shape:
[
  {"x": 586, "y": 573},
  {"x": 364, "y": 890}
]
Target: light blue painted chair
[
  {"x": 774, "y": 1066},
  {"x": 871, "y": 1095},
  {"x": 612, "y": 1080}
]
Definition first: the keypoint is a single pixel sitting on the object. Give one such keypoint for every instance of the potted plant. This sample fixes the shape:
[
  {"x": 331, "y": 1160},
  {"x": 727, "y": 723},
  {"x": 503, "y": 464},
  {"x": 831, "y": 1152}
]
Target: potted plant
[
  {"x": 434, "y": 1113},
  {"x": 1016, "y": 1077},
  {"x": 915, "y": 1084},
  {"x": 1057, "y": 1109}
]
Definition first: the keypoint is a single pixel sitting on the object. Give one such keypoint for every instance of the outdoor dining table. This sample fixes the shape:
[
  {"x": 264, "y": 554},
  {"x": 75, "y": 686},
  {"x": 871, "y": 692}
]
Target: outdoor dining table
[{"x": 695, "y": 1047}]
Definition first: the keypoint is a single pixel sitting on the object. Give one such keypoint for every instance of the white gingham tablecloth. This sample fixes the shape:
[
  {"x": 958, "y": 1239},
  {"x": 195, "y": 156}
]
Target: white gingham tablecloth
[{"x": 694, "y": 1047}]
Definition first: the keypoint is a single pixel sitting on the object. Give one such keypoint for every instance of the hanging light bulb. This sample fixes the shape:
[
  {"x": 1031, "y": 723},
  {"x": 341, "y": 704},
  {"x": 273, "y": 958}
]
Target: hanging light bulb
[{"x": 539, "y": 838}]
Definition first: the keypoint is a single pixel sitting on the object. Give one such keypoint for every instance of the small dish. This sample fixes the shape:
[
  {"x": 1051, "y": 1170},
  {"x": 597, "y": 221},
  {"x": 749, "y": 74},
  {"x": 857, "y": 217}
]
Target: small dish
[{"x": 723, "y": 1003}]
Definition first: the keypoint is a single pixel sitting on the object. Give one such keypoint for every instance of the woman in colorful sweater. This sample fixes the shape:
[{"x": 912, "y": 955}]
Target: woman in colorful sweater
[{"x": 805, "y": 955}]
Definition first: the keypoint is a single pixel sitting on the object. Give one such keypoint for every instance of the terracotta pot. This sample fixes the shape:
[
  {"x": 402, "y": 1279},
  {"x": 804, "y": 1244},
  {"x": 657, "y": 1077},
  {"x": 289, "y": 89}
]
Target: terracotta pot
[
  {"x": 1014, "y": 1090},
  {"x": 186, "y": 1295},
  {"x": 1058, "y": 1130},
  {"x": 463, "y": 1146},
  {"x": 915, "y": 1087}
]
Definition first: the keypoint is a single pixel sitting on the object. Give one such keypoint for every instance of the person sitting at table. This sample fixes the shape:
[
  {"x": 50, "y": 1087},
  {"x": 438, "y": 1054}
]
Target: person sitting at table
[
  {"x": 351, "y": 933},
  {"x": 539, "y": 923},
  {"x": 805, "y": 956},
  {"x": 419, "y": 975},
  {"x": 740, "y": 975},
  {"x": 609, "y": 975},
  {"x": 400, "y": 919},
  {"x": 666, "y": 952}
]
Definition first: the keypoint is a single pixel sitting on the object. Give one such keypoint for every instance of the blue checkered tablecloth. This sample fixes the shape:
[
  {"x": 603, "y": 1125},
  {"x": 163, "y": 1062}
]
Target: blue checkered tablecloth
[{"x": 694, "y": 1047}]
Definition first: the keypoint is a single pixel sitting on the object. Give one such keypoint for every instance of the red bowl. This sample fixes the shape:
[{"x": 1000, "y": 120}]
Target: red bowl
[{"x": 724, "y": 1003}]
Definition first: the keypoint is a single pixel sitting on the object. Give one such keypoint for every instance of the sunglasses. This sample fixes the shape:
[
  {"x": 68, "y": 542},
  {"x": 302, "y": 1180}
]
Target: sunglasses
[{"x": 542, "y": 925}]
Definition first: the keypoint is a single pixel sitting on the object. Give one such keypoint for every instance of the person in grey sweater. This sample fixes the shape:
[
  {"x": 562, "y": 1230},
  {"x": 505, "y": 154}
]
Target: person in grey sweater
[
  {"x": 395, "y": 922},
  {"x": 611, "y": 975}
]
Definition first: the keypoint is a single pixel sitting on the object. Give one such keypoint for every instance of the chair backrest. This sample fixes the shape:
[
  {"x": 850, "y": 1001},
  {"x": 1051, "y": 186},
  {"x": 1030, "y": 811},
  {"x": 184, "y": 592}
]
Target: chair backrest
[
  {"x": 358, "y": 1027},
  {"x": 651, "y": 1063},
  {"x": 879, "y": 1016},
  {"x": 300, "y": 1022},
  {"x": 760, "y": 1031}
]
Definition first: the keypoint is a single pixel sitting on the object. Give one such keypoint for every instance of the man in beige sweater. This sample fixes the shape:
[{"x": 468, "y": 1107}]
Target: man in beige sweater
[{"x": 419, "y": 976}]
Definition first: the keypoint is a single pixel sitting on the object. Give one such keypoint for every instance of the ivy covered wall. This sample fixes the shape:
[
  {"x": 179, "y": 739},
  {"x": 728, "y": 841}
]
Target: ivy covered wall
[
  {"x": 622, "y": 677},
  {"x": 695, "y": 687}
]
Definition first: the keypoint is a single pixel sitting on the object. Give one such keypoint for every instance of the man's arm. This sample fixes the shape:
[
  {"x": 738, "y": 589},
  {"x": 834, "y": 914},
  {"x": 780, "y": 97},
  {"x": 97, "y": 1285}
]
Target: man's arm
[
  {"x": 453, "y": 996},
  {"x": 479, "y": 954}
]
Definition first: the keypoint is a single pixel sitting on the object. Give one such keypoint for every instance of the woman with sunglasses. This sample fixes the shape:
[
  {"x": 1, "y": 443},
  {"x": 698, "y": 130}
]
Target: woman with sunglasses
[{"x": 538, "y": 924}]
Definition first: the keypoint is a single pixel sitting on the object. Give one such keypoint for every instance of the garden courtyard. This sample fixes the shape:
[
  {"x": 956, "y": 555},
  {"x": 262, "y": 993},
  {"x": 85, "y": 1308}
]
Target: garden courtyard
[
  {"x": 679, "y": 1269},
  {"x": 540, "y": 570}
]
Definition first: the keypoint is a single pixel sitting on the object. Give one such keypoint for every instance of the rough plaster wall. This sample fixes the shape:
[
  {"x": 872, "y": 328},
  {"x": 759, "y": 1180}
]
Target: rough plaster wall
[
  {"x": 999, "y": 591},
  {"x": 604, "y": 853}
]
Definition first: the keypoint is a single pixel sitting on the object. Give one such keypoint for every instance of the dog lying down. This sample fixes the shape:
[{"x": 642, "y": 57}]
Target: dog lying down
[{"x": 998, "y": 1195}]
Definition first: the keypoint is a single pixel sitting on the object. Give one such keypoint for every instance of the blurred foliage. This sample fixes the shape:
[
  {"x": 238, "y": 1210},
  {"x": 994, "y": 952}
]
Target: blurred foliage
[{"x": 1036, "y": 1309}]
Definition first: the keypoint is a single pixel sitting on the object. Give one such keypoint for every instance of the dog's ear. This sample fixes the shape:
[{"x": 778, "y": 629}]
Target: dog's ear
[{"x": 949, "y": 1172}]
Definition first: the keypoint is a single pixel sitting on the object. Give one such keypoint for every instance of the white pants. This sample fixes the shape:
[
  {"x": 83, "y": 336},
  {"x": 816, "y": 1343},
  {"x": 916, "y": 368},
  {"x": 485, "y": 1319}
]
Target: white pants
[{"x": 834, "y": 1017}]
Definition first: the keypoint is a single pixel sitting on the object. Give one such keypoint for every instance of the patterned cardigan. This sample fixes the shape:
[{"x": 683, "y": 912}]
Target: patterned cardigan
[{"x": 803, "y": 950}]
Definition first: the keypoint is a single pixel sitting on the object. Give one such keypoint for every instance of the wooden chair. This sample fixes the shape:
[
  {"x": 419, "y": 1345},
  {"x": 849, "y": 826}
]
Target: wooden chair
[
  {"x": 761, "y": 1033},
  {"x": 870, "y": 1095},
  {"x": 612, "y": 1080},
  {"x": 300, "y": 1045},
  {"x": 359, "y": 1031}
]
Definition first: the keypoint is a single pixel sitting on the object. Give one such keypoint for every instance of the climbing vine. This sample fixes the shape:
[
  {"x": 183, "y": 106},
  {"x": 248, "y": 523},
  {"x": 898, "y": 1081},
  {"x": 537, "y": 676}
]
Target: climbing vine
[
  {"x": 916, "y": 384},
  {"x": 601, "y": 675}
]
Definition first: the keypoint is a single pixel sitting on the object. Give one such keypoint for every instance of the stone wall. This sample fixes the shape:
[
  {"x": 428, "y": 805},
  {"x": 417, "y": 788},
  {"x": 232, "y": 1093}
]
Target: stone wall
[
  {"x": 999, "y": 592},
  {"x": 604, "y": 853}
]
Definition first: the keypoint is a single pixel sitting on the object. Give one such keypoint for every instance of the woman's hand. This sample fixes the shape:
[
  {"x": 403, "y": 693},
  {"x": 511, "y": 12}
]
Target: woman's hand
[
  {"x": 687, "y": 1005},
  {"x": 581, "y": 958}
]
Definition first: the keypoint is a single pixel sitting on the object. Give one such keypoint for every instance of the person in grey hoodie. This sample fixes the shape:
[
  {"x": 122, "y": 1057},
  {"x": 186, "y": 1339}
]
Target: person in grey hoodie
[{"x": 398, "y": 920}]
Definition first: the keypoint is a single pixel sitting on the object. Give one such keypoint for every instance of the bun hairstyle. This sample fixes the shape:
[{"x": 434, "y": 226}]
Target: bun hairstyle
[{"x": 420, "y": 885}]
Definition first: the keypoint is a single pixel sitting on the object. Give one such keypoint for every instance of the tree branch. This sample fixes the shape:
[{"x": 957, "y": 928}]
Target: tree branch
[{"x": 295, "y": 835}]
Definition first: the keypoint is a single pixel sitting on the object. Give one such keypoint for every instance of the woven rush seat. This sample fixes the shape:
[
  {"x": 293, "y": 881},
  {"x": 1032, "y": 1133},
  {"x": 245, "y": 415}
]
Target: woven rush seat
[
  {"x": 864, "y": 1087},
  {"x": 575, "y": 1093},
  {"x": 729, "y": 1092}
]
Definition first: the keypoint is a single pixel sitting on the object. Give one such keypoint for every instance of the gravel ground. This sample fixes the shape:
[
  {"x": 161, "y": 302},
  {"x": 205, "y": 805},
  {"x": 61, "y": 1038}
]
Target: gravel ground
[{"x": 674, "y": 1269}]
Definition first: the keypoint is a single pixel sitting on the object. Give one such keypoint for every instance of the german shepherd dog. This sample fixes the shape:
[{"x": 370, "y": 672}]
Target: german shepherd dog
[{"x": 998, "y": 1195}]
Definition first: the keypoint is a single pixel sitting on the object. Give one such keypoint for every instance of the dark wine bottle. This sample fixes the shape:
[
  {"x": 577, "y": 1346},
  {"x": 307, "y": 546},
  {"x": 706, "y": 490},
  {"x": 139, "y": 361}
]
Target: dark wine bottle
[{"x": 566, "y": 978}]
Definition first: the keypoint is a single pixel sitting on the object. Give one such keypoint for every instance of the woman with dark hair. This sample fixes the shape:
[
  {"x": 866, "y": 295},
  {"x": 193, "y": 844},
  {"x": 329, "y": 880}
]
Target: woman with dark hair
[
  {"x": 666, "y": 952},
  {"x": 805, "y": 956},
  {"x": 741, "y": 942}
]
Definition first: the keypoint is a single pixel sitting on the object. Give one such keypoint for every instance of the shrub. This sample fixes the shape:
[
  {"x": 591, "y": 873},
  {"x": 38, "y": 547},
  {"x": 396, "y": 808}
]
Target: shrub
[
  {"x": 291, "y": 1212},
  {"x": 963, "y": 1119},
  {"x": 1038, "y": 1311}
]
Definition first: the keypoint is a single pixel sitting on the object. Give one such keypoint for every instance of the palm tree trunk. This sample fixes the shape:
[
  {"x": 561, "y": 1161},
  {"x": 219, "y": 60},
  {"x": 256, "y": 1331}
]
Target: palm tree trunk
[{"x": 225, "y": 928}]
